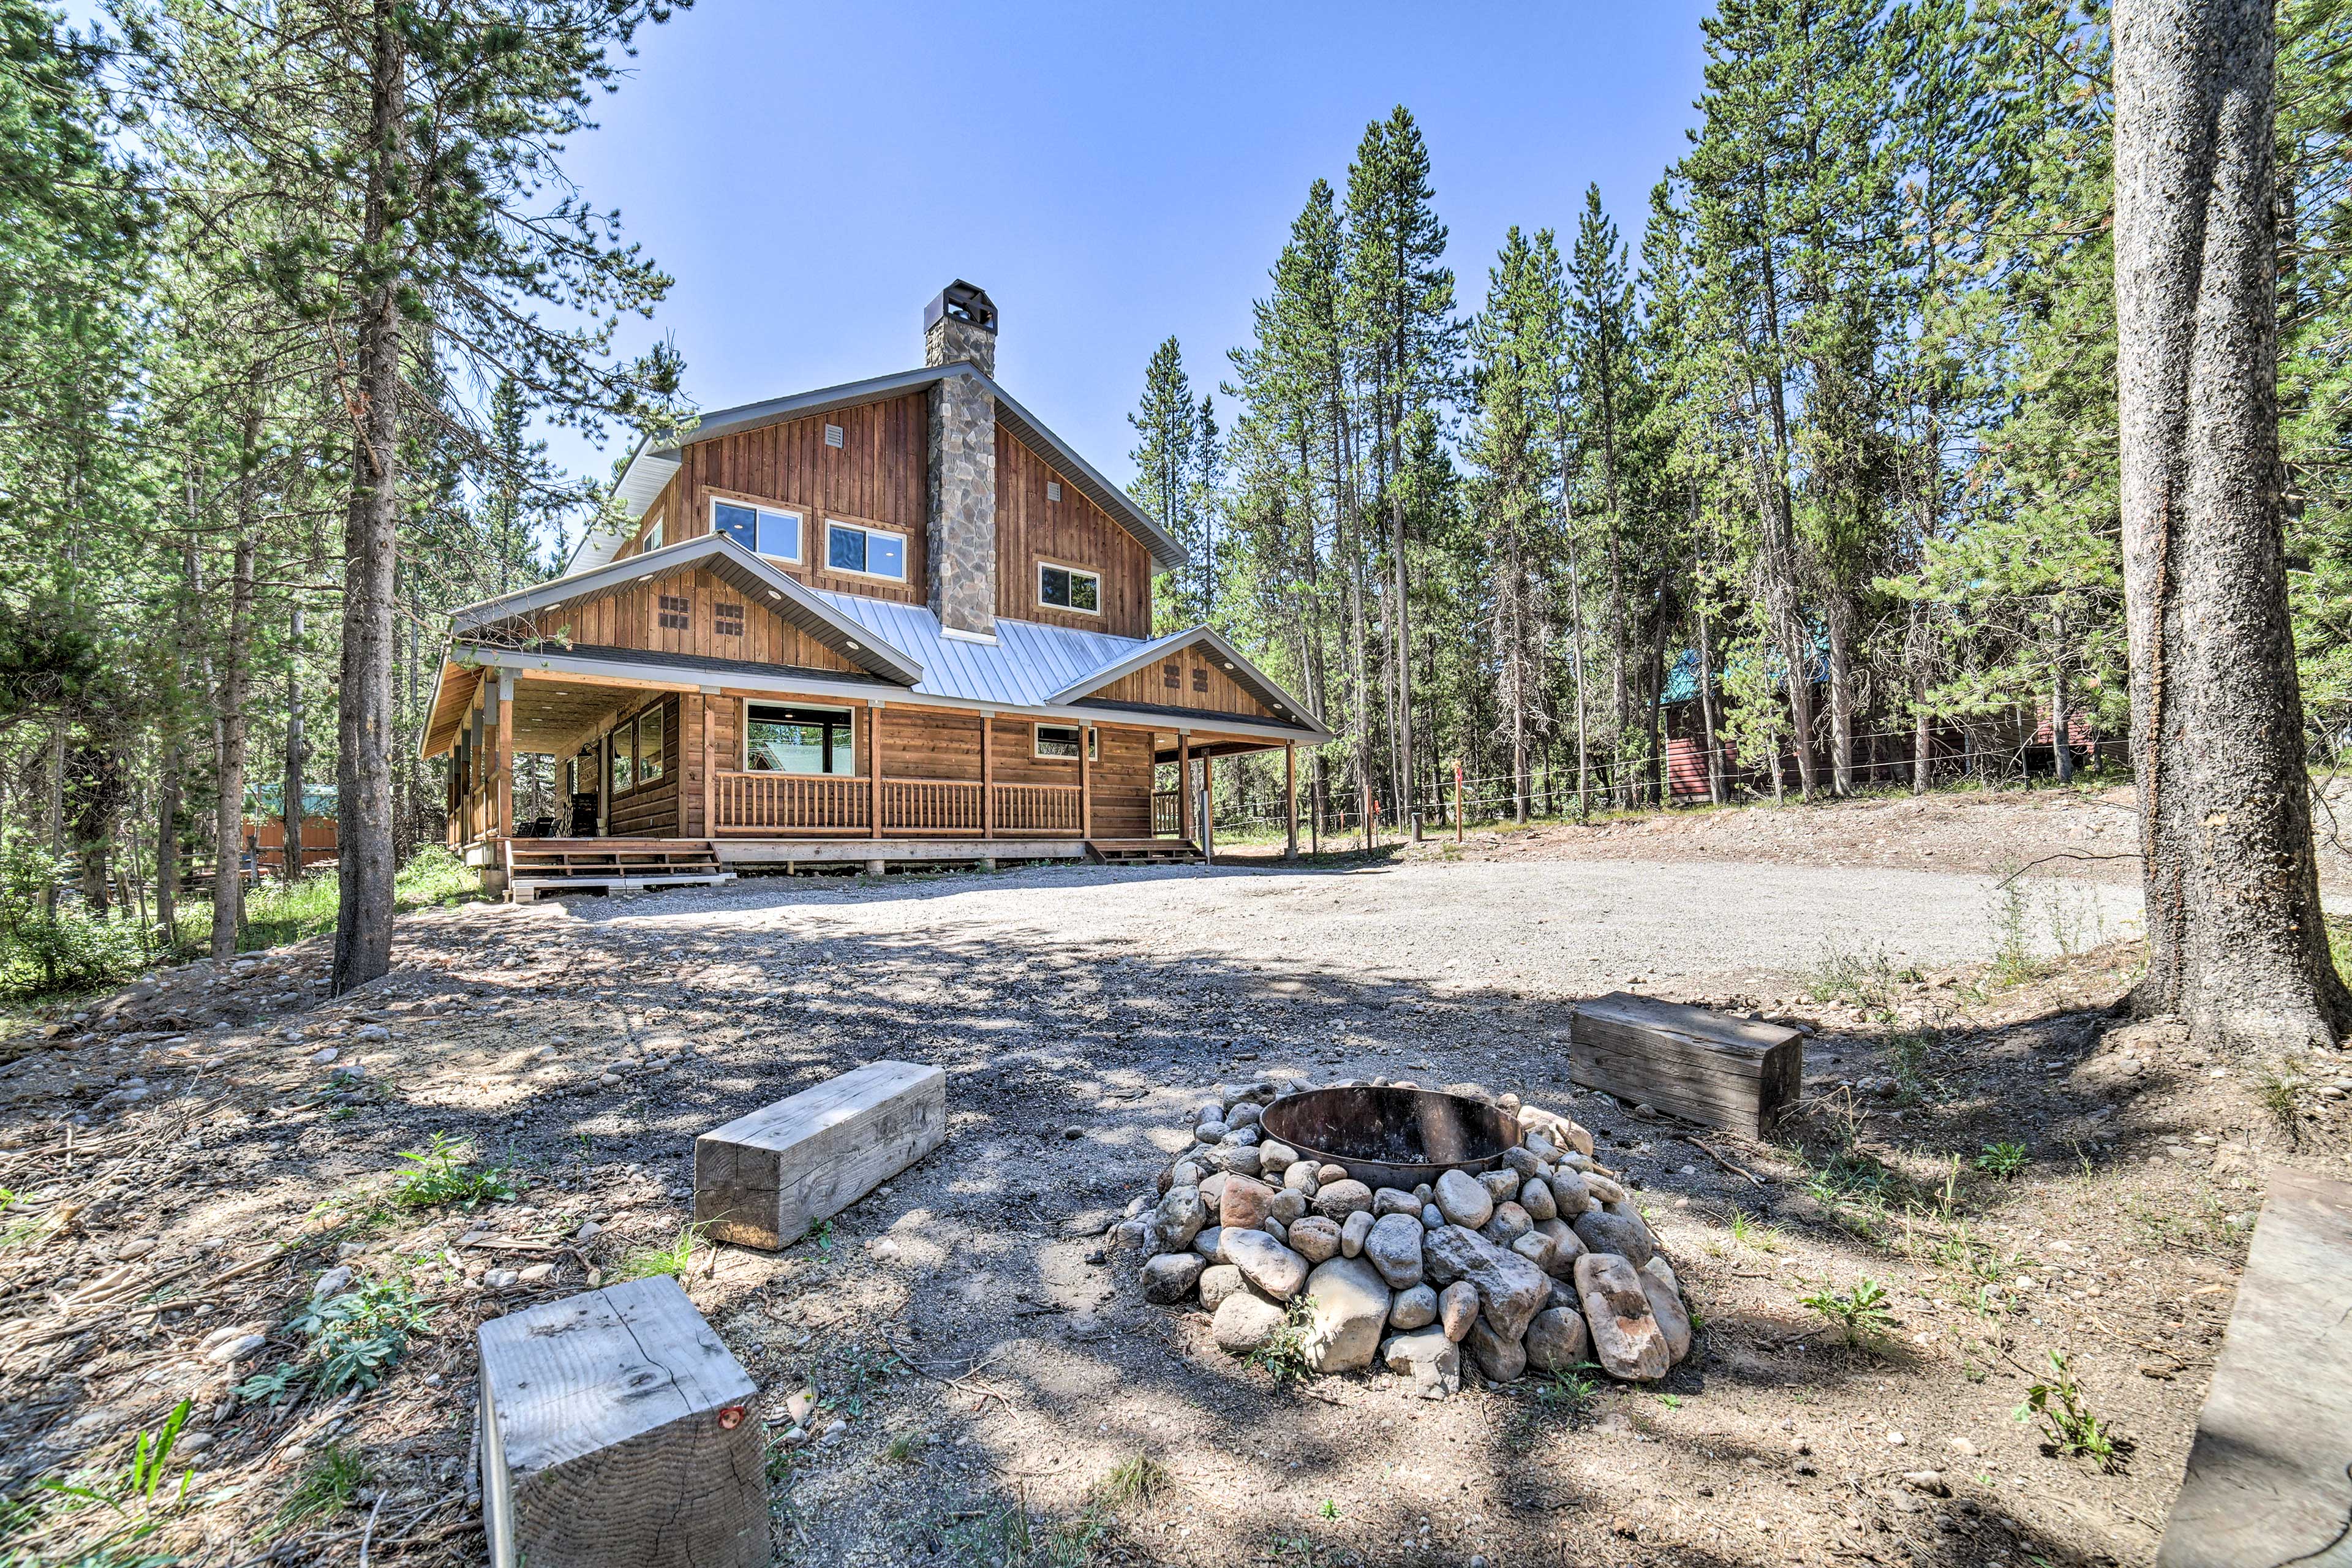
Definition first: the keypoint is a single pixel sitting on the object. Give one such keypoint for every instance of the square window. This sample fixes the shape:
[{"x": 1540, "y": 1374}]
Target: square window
[
  {"x": 726, "y": 620},
  {"x": 1061, "y": 741},
  {"x": 649, "y": 745},
  {"x": 869, "y": 550},
  {"x": 673, "y": 615},
  {"x": 1067, "y": 588},
  {"x": 771, "y": 531},
  {"x": 778, "y": 740}
]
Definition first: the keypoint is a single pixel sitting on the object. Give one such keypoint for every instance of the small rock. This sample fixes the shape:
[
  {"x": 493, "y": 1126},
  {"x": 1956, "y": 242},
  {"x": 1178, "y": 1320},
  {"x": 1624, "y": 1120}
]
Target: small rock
[
  {"x": 1666, "y": 1306},
  {"x": 1963, "y": 1448},
  {"x": 1183, "y": 1213},
  {"x": 370, "y": 1032},
  {"x": 1245, "y": 1322},
  {"x": 333, "y": 1283},
  {"x": 1535, "y": 1248},
  {"x": 1246, "y": 1202},
  {"x": 1073, "y": 1133},
  {"x": 1433, "y": 1360},
  {"x": 1393, "y": 1247},
  {"x": 224, "y": 1346},
  {"x": 1622, "y": 1235},
  {"x": 1414, "y": 1308},
  {"x": 1928, "y": 1481},
  {"x": 1462, "y": 1201},
  {"x": 1432, "y": 1217},
  {"x": 323, "y": 1056},
  {"x": 1557, "y": 1341},
  {"x": 1499, "y": 1185},
  {"x": 1170, "y": 1276},
  {"x": 1348, "y": 1305},
  {"x": 1209, "y": 1133},
  {"x": 1314, "y": 1239},
  {"x": 1627, "y": 1339},
  {"x": 1339, "y": 1199},
  {"x": 1266, "y": 1263},
  {"x": 1287, "y": 1206},
  {"x": 1536, "y": 1199},
  {"x": 1510, "y": 1288},
  {"x": 1218, "y": 1281},
  {"x": 1358, "y": 1225},
  {"x": 1276, "y": 1157},
  {"x": 499, "y": 1278},
  {"x": 538, "y": 1273},
  {"x": 1457, "y": 1308},
  {"x": 1298, "y": 1176},
  {"x": 1209, "y": 1246},
  {"x": 1389, "y": 1200},
  {"x": 1506, "y": 1225},
  {"x": 1502, "y": 1360}
]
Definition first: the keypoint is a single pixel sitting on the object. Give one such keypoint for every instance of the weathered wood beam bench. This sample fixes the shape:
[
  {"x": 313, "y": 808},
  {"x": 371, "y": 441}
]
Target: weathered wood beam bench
[
  {"x": 617, "y": 1432},
  {"x": 762, "y": 1180},
  {"x": 1707, "y": 1067},
  {"x": 2268, "y": 1479}
]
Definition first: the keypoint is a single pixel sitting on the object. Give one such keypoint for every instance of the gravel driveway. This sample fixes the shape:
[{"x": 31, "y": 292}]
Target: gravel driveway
[{"x": 1537, "y": 930}]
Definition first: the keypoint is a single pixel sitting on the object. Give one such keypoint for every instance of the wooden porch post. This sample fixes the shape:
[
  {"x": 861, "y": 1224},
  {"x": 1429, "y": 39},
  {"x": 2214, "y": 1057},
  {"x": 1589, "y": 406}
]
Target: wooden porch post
[
  {"x": 603, "y": 750},
  {"x": 506, "y": 754},
  {"x": 987, "y": 775},
  {"x": 1290, "y": 798},
  {"x": 874, "y": 771},
  {"x": 1184, "y": 783},
  {"x": 710, "y": 700},
  {"x": 1086, "y": 784}
]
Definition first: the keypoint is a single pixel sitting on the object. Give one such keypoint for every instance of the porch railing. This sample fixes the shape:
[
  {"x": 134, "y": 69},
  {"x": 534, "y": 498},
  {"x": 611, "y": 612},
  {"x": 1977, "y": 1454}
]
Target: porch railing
[
  {"x": 1167, "y": 813},
  {"x": 1024, "y": 808},
  {"x": 792, "y": 802},
  {"x": 820, "y": 805}
]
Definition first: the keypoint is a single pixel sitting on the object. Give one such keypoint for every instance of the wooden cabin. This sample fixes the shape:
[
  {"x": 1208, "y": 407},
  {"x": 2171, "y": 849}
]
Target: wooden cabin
[{"x": 893, "y": 622}]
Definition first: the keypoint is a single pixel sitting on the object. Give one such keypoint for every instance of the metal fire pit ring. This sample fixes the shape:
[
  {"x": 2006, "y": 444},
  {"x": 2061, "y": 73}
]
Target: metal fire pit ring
[{"x": 1392, "y": 1137}]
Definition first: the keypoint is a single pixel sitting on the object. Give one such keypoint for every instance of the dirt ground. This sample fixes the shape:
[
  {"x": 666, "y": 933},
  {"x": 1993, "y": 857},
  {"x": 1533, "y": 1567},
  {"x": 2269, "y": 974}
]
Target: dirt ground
[{"x": 187, "y": 1167}]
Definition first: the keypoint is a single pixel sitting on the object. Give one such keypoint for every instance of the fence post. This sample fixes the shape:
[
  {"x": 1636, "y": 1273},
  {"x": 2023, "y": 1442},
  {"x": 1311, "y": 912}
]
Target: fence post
[{"x": 1208, "y": 829}]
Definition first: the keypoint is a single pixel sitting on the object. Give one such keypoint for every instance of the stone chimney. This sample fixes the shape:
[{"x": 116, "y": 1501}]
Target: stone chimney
[{"x": 961, "y": 326}]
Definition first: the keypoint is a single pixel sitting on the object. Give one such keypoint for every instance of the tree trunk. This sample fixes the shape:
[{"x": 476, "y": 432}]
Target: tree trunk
[
  {"x": 2236, "y": 944},
  {"x": 371, "y": 546},
  {"x": 1715, "y": 791},
  {"x": 167, "y": 834},
  {"x": 296, "y": 751},
  {"x": 2062, "y": 747},
  {"x": 1841, "y": 697},
  {"x": 228, "y": 797}
]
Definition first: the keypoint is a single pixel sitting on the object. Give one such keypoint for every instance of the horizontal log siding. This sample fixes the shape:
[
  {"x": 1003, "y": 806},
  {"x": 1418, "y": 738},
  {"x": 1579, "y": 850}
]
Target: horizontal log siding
[
  {"x": 633, "y": 618},
  {"x": 923, "y": 743},
  {"x": 652, "y": 812},
  {"x": 1071, "y": 532},
  {"x": 1122, "y": 785}
]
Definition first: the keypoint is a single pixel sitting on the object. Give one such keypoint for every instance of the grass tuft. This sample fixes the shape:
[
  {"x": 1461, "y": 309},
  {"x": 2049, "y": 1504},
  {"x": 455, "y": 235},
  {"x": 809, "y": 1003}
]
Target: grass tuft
[
  {"x": 440, "y": 1174},
  {"x": 645, "y": 1262},
  {"x": 1136, "y": 1479}
]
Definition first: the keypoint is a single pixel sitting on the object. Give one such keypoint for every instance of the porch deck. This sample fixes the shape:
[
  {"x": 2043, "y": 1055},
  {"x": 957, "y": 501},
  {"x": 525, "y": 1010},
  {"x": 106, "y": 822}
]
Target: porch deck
[{"x": 526, "y": 869}]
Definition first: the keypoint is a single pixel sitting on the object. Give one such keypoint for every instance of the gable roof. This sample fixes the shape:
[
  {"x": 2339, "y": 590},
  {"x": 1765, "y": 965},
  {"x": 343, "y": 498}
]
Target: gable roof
[
  {"x": 1247, "y": 676},
  {"x": 721, "y": 554},
  {"x": 650, "y": 468}
]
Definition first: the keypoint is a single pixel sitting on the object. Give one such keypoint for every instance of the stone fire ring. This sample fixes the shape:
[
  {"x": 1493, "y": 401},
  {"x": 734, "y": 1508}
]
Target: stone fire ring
[{"x": 1404, "y": 1228}]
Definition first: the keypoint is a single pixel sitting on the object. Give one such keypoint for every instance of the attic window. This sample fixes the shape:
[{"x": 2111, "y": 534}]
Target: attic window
[
  {"x": 673, "y": 617},
  {"x": 1053, "y": 489},
  {"x": 833, "y": 435},
  {"x": 1200, "y": 678},
  {"x": 1171, "y": 675},
  {"x": 726, "y": 620}
]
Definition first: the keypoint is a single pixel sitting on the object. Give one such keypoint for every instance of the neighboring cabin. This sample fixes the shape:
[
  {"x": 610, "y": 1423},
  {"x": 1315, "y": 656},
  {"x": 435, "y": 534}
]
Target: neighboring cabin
[{"x": 898, "y": 620}]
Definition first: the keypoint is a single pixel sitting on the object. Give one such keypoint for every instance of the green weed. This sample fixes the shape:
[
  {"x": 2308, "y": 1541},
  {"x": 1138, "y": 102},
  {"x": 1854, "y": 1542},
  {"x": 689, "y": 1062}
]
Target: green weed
[
  {"x": 903, "y": 1447},
  {"x": 354, "y": 1338},
  {"x": 1282, "y": 1356},
  {"x": 1863, "y": 979},
  {"x": 1755, "y": 1233},
  {"x": 1859, "y": 1313},
  {"x": 2004, "y": 1160},
  {"x": 330, "y": 1483},
  {"x": 440, "y": 1174},
  {"x": 138, "y": 1482},
  {"x": 2065, "y": 1418},
  {"x": 645, "y": 1262},
  {"x": 1136, "y": 1479}
]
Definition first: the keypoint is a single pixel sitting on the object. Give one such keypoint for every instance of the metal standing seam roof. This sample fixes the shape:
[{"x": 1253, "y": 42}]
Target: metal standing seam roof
[{"x": 1022, "y": 668}]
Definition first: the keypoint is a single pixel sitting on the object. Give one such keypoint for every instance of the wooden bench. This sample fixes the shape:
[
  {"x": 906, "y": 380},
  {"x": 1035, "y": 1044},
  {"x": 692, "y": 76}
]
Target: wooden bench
[
  {"x": 762, "y": 1180},
  {"x": 2267, "y": 1477},
  {"x": 615, "y": 1429},
  {"x": 1703, "y": 1067}
]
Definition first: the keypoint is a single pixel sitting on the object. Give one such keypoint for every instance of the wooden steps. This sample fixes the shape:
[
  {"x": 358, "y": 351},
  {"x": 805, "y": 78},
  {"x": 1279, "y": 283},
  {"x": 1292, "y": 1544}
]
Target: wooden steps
[
  {"x": 1143, "y": 851},
  {"x": 536, "y": 867}
]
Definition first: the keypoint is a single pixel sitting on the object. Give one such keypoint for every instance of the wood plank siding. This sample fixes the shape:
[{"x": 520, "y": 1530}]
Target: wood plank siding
[
  {"x": 1071, "y": 532},
  {"x": 1187, "y": 678},
  {"x": 692, "y": 612},
  {"x": 878, "y": 476}
]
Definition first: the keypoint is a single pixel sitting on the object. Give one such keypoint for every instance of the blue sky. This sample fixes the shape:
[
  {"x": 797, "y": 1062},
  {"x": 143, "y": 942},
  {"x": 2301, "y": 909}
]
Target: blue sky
[{"x": 812, "y": 175}]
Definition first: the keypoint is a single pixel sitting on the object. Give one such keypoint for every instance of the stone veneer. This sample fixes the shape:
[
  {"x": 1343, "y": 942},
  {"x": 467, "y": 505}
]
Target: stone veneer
[{"x": 961, "y": 538}]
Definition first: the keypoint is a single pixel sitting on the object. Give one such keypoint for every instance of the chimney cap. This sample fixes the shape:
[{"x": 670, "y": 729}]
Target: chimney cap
[{"x": 961, "y": 302}]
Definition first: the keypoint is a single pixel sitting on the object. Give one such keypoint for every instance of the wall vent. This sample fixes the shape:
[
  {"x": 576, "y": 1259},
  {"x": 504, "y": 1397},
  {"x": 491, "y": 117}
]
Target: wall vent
[
  {"x": 1053, "y": 489},
  {"x": 833, "y": 435}
]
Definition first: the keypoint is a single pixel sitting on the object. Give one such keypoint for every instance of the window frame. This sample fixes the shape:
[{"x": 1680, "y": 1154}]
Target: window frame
[
  {"x": 659, "y": 769},
  {"x": 1072, "y": 572},
  {"x": 620, "y": 750},
  {"x": 1037, "y": 729},
  {"x": 743, "y": 733},
  {"x": 799, "y": 514},
  {"x": 651, "y": 539},
  {"x": 869, "y": 529}
]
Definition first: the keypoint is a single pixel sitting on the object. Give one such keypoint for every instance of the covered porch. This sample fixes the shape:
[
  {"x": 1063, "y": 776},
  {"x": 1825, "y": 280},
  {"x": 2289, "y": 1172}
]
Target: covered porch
[{"x": 664, "y": 781}]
